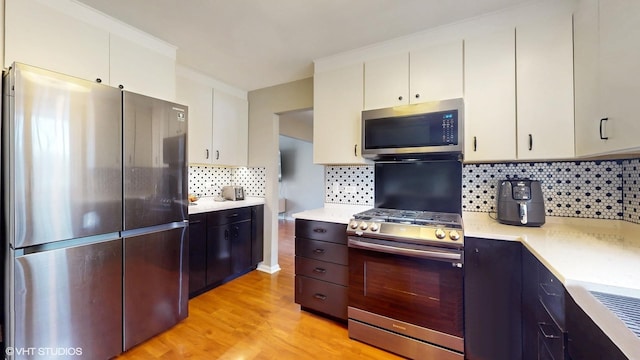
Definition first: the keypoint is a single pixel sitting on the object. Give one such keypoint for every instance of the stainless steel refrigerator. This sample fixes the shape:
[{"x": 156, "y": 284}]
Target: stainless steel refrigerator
[
  {"x": 94, "y": 191},
  {"x": 62, "y": 189},
  {"x": 155, "y": 217}
]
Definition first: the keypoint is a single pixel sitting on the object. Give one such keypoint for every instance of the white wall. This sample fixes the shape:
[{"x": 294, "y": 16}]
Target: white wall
[{"x": 302, "y": 182}]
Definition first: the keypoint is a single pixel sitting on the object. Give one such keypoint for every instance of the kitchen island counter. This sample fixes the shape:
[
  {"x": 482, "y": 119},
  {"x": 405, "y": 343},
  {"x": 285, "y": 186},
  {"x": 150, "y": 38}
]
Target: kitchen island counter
[{"x": 208, "y": 204}]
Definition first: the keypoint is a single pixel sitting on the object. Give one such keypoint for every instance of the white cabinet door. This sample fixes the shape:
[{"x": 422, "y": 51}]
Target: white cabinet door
[
  {"x": 619, "y": 62},
  {"x": 544, "y": 73},
  {"x": 41, "y": 36},
  {"x": 142, "y": 70},
  {"x": 490, "y": 97},
  {"x": 386, "y": 81},
  {"x": 435, "y": 73},
  {"x": 337, "y": 109},
  {"x": 199, "y": 98},
  {"x": 230, "y": 130}
]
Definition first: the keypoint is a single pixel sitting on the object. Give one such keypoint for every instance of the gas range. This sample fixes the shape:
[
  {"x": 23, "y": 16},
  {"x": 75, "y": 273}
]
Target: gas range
[{"x": 421, "y": 227}]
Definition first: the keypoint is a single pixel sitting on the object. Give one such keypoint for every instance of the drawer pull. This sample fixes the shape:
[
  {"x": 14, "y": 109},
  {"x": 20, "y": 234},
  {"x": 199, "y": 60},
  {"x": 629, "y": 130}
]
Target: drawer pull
[
  {"x": 546, "y": 288},
  {"x": 319, "y": 230},
  {"x": 549, "y": 334},
  {"x": 320, "y": 297},
  {"x": 319, "y": 270},
  {"x": 318, "y": 251}
]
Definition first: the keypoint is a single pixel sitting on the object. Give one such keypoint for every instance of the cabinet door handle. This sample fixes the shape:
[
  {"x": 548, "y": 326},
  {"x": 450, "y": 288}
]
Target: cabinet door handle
[
  {"x": 217, "y": 154},
  {"x": 547, "y": 334},
  {"x": 318, "y": 251},
  {"x": 207, "y": 156},
  {"x": 400, "y": 97},
  {"x": 319, "y": 270},
  {"x": 601, "y": 122},
  {"x": 417, "y": 96},
  {"x": 233, "y": 215},
  {"x": 530, "y": 142},
  {"x": 355, "y": 150},
  {"x": 319, "y": 230},
  {"x": 98, "y": 80},
  {"x": 195, "y": 222},
  {"x": 547, "y": 291},
  {"x": 226, "y": 234},
  {"x": 120, "y": 86},
  {"x": 475, "y": 143},
  {"x": 320, "y": 297}
]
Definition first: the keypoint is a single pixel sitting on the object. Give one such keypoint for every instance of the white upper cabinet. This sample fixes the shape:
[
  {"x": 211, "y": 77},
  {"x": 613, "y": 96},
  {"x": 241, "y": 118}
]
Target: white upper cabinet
[
  {"x": 218, "y": 123},
  {"x": 435, "y": 73},
  {"x": 140, "y": 69},
  {"x": 490, "y": 97},
  {"x": 544, "y": 73},
  {"x": 607, "y": 88},
  {"x": 337, "y": 109},
  {"x": 386, "y": 81},
  {"x": 426, "y": 74},
  {"x": 230, "y": 130},
  {"x": 38, "y": 35},
  {"x": 199, "y": 98}
]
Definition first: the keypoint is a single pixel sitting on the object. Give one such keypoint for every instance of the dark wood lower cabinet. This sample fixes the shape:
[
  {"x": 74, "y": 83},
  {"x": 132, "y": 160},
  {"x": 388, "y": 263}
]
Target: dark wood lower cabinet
[
  {"x": 322, "y": 272},
  {"x": 223, "y": 245},
  {"x": 585, "y": 339},
  {"x": 492, "y": 295}
]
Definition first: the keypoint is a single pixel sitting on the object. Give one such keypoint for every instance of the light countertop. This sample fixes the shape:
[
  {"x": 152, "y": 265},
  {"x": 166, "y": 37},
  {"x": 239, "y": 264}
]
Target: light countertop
[
  {"x": 584, "y": 254},
  {"x": 207, "y": 204}
]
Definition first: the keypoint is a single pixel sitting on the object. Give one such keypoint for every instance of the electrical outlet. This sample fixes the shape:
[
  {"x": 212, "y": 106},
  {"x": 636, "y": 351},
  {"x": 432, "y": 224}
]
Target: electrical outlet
[
  {"x": 336, "y": 188},
  {"x": 350, "y": 189}
]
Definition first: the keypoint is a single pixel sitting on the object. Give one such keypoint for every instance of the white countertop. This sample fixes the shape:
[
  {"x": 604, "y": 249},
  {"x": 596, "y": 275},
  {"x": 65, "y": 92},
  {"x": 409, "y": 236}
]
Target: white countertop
[
  {"x": 207, "y": 204},
  {"x": 584, "y": 254},
  {"x": 335, "y": 213}
]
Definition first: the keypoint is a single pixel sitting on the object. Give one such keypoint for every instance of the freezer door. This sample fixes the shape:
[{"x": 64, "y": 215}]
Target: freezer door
[
  {"x": 69, "y": 299},
  {"x": 63, "y": 157},
  {"x": 156, "y": 283},
  {"x": 155, "y": 171}
]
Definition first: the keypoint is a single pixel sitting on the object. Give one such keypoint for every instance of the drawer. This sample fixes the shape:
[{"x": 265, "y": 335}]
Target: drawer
[
  {"x": 551, "y": 294},
  {"x": 322, "y": 270},
  {"x": 322, "y": 296},
  {"x": 223, "y": 217},
  {"x": 322, "y": 250},
  {"x": 550, "y": 336},
  {"x": 320, "y": 230}
]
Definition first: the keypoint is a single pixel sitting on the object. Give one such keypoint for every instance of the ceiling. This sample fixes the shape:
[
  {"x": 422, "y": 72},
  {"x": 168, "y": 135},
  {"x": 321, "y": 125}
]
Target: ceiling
[{"x": 252, "y": 44}]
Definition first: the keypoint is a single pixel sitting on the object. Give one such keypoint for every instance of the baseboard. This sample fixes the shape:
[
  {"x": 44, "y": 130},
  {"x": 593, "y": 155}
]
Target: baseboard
[{"x": 269, "y": 269}]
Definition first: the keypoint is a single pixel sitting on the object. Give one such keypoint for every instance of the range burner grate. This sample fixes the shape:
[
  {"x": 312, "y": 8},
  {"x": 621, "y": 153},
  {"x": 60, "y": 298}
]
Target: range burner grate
[{"x": 625, "y": 308}]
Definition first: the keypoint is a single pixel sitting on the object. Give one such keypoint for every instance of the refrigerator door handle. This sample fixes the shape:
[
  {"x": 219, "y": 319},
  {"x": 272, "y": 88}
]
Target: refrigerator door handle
[{"x": 157, "y": 228}]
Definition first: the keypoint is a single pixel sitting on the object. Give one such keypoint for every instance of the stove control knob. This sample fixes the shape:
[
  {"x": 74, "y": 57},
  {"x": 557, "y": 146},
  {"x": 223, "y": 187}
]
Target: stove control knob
[
  {"x": 454, "y": 235},
  {"x": 354, "y": 224},
  {"x": 363, "y": 225},
  {"x": 374, "y": 227},
  {"x": 440, "y": 234}
]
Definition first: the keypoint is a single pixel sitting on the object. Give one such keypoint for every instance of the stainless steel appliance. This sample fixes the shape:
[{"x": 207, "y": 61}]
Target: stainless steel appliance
[
  {"x": 155, "y": 216},
  {"x": 520, "y": 202},
  {"x": 62, "y": 190},
  {"x": 81, "y": 214},
  {"x": 406, "y": 282},
  {"x": 233, "y": 193},
  {"x": 426, "y": 128}
]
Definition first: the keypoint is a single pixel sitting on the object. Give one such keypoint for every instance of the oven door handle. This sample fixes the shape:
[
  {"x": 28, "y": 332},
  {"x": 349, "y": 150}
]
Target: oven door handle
[{"x": 424, "y": 254}]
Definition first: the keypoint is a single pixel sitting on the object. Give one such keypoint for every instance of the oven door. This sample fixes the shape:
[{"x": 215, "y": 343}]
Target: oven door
[{"x": 413, "y": 284}]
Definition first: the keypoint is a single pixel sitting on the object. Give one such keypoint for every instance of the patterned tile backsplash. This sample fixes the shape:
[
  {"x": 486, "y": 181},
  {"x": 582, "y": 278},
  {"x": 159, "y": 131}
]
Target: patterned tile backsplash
[
  {"x": 209, "y": 180},
  {"x": 588, "y": 189}
]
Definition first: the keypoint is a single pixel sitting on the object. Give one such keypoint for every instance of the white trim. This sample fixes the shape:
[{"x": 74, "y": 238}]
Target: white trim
[
  {"x": 101, "y": 20},
  {"x": 201, "y": 78},
  {"x": 268, "y": 269}
]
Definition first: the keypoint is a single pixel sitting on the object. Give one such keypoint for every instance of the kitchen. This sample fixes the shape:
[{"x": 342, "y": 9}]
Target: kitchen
[{"x": 339, "y": 159}]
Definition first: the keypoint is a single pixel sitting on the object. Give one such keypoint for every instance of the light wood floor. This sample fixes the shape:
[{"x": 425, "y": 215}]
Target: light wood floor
[{"x": 255, "y": 317}]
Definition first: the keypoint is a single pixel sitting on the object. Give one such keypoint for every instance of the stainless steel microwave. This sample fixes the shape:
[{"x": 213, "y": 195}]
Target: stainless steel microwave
[{"x": 414, "y": 130}]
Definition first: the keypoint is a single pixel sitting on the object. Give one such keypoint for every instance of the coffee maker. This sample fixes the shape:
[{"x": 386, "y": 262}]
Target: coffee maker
[{"x": 520, "y": 202}]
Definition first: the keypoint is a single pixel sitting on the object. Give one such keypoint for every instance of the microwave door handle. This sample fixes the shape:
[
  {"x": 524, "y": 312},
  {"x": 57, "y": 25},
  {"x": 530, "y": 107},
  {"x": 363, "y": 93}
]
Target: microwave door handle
[{"x": 423, "y": 254}]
